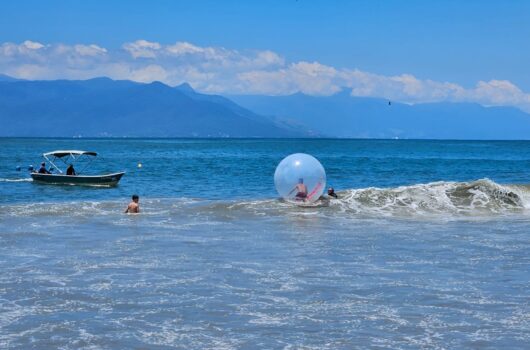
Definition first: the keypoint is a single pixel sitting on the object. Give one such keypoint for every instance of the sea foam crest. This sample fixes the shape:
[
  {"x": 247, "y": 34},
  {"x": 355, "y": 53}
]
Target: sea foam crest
[
  {"x": 476, "y": 197},
  {"x": 454, "y": 199}
]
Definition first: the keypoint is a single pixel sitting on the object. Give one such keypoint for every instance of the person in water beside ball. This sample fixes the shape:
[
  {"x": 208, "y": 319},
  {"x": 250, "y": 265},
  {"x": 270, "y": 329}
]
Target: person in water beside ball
[{"x": 301, "y": 195}]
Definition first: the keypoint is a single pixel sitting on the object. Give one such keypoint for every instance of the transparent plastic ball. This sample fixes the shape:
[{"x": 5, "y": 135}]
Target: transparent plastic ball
[{"x": 300, "y": 178}]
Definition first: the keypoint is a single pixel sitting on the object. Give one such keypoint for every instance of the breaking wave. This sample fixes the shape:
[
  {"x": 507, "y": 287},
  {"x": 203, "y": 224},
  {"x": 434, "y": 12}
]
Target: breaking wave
[
  {"x": 451, "y": 199},
  {"x": 460, "y": 198}
]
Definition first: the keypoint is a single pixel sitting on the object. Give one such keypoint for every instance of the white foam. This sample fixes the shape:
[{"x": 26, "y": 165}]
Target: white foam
[
  {"x": 17, "y": 180},
  {"x": 479, "y": 198}
]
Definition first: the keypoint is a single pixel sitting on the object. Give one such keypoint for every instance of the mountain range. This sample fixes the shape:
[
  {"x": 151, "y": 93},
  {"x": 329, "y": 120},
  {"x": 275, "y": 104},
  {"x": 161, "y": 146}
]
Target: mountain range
[
  {"x": 105, "y": 107},
  {"x": 120, "y": 108},
  {"x": 342, "y": 115}
]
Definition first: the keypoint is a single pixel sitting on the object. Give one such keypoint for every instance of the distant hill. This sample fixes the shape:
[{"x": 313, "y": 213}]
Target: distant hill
[
  {"x": 104, "y": 107},
  {"x": 4, "y": 77},
  {"x": 236, "y": 108},
  {"x": 342, "y": 115}
]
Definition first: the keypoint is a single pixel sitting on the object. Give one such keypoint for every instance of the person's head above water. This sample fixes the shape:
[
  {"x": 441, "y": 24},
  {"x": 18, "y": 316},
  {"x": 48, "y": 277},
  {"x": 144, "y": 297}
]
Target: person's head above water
[
  {"x": 43, "y": 164},
  {"x": 331, "y": 192},
  {"x": 135, "y": 198},
  {"x": 300, "y": 180}
]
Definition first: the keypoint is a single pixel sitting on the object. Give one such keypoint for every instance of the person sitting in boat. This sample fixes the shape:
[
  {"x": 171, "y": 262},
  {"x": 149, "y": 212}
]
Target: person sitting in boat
[
  {"x": 301, "y": 189},
  {"x": 70, "y": 170},
  {"x": 42, "y": 169},
  {"x": 133, "y": 207},
  {"x": 331, "y": 192}
]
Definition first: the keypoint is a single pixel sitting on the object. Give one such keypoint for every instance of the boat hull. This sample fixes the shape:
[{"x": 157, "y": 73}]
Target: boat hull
[{"x": 107, "y": 180}]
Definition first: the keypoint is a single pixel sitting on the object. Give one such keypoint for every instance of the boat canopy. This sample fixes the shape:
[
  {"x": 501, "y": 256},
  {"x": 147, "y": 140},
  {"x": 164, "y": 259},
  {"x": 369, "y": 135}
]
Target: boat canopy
[
  {"x": 60, "y": 154},
  {"x": 68, "y": 157}
]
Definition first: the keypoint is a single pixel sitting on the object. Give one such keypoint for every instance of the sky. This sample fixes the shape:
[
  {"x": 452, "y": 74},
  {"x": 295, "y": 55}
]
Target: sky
[{"x": 409, "y": 51}]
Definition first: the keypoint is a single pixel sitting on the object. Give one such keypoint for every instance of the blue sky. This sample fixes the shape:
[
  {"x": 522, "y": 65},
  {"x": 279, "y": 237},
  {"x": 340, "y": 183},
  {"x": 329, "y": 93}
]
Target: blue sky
[{"x": 457, "y": 42}]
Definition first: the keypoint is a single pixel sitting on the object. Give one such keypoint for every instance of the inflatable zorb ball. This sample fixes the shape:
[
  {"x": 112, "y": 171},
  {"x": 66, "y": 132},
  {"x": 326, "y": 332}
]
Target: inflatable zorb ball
[{"x": 300, "y": 178}]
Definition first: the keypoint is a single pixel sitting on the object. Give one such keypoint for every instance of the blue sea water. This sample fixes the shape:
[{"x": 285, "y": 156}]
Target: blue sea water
[{"x": 427, "y": 246}]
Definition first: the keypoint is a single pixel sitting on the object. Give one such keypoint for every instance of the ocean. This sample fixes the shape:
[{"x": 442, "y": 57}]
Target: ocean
[{"x": 428, "y": 246}]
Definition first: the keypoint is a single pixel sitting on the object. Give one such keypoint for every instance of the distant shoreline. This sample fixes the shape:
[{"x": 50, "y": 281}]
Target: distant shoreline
[{"x": 254, "y": 138}]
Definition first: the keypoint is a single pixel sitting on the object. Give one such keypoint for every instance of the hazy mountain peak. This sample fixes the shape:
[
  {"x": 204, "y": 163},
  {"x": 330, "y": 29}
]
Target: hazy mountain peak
[
  {"x": 185, "y": 87},
  {"x": 4, "y": 77}
]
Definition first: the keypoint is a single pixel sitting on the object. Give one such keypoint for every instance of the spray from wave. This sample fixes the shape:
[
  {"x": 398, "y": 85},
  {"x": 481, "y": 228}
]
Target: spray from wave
[
  {"x": 449, "y": 199},
  {"x": 481, "y": 197}
]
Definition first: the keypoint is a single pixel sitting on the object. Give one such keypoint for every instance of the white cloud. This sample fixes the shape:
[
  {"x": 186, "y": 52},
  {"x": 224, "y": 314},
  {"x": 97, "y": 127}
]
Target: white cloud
[
  {"x": 29, "y": 71},
  {"x": 184, "y": 48},
  {"x": 309, "y": 78},
  {"x": 498, "y": 92},
  {"x": 148, "y": 74},
  {"x": 32, "y": 45},
  {"x": 90, "y": 50},
  {"x": 268, "y": 58},
  {"x": 28, "y": 48},
  {"x": 222, "y": 70},
  {"x": 142, "y": 49}
]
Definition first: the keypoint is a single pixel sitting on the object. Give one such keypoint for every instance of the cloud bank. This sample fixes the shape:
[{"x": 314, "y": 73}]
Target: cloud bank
[{"x": 227, "y": 71}]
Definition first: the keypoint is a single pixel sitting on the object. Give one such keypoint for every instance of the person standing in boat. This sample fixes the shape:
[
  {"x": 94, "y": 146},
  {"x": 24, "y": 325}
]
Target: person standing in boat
[
  {"x": 70, "y": 170},
  {"x": 42, "y": 169}
]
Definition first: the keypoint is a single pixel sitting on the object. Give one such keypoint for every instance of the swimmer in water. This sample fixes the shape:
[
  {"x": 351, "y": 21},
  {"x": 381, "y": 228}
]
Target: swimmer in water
[
  {"x": 133, "y": 207},
  {"x": 331, "y": 192},
  {"x": 301, "y": 189}
]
